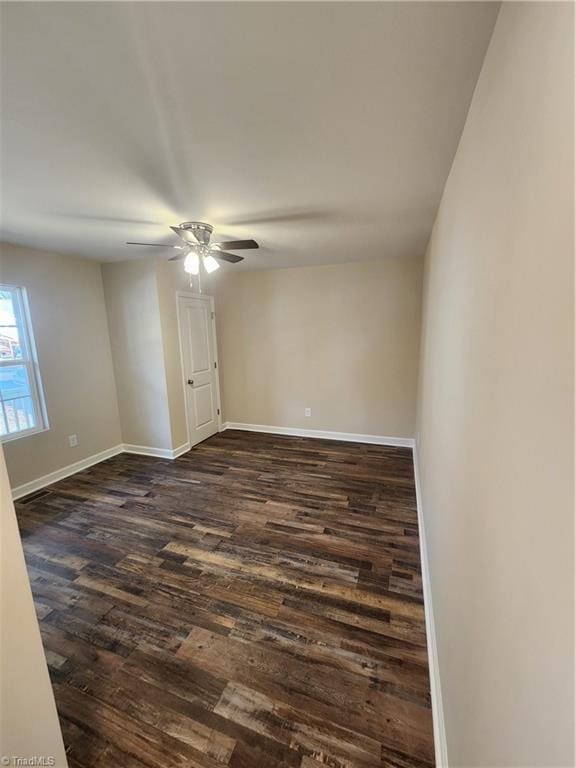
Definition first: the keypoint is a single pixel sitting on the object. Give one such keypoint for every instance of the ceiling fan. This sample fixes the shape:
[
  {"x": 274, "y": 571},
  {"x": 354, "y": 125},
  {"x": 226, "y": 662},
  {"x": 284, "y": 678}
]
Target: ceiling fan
[{"x": 196, "y": 247}]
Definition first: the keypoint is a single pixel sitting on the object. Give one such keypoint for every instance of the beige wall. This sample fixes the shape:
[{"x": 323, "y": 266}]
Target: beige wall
[
  {"x": 342, "y": 340},
  {"x": 28, "y": 720},
  {"x": 137, "y": 350},
  {"x": 71, "y": 331},
  {"x": 495, "y": 420}
]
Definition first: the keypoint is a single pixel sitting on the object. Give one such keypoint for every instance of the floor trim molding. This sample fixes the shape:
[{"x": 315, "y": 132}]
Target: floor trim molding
[
  {"x": 440, "y": 744},
  {"x": 60, "y": 474},
  {"x": 350, "y": 437},
  {"x": 159, "y": 453}
]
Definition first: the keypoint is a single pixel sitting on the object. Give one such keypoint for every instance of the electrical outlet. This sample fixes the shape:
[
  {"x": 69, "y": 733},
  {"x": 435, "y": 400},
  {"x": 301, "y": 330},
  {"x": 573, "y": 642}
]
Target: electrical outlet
[
  {"x": 72, "y": 441},
  {"x": 307, "y": 412}
]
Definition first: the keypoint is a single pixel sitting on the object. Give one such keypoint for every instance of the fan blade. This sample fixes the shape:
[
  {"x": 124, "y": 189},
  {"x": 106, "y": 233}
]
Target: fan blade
[
  {"x": 158, "y": 245},
  {"x": 237, "y": 245},
  {"x": 178, "y": 257},
  {"x": 223, "y": 256},
  {"x": 185, "y": 234}
]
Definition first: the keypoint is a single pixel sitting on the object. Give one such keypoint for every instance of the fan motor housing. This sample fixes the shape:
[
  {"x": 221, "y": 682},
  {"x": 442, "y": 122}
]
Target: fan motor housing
[{"x": 200, "y": 229}]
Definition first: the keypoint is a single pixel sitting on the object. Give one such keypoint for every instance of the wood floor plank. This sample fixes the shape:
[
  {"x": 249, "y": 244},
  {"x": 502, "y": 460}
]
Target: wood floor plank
[{"x": 256, "y": 603}]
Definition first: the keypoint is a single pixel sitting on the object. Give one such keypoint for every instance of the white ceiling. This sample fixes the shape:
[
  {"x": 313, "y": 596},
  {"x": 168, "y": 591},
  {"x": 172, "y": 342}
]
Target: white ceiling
[{"x": 323, "y": 130}]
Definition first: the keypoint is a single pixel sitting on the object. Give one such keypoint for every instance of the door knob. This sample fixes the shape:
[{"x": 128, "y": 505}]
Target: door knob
[{"x": 191, "y": 382}]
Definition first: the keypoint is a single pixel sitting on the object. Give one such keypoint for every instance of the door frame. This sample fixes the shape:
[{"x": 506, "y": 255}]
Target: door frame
[{"x": 194, "y": 295}]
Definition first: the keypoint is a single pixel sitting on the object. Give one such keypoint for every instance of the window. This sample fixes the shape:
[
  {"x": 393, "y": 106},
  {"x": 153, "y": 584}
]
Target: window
[{"x": 22, "y": 410}]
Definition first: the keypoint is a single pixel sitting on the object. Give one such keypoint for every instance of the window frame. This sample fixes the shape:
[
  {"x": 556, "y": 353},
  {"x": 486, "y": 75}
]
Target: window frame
[{"x": 29, "y": 361}]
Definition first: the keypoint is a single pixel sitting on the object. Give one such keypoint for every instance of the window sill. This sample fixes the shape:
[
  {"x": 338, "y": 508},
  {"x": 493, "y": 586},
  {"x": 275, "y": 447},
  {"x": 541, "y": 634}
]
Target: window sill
[{"x": 24, "y": 433}]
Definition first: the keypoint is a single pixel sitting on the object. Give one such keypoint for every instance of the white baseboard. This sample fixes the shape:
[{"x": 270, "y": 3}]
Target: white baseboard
[
  {"x": 184, "y": 448},
  {"x": 159, "y": 453},
  {"x": 60, "y": 474},
  {"x": 96, "y": 458},
  {"x": 440, "y": 744},
  {"x": 350, "y": 437}
]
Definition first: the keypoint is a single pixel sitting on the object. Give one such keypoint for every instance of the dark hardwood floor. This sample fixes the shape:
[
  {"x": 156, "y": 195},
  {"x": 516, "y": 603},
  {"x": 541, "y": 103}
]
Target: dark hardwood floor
[{"x": 256, "y": 603}]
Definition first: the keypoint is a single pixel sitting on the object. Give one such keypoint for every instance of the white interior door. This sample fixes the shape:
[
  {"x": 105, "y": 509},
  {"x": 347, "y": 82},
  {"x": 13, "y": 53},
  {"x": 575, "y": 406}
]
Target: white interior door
[{"x": 199, "y": 366}]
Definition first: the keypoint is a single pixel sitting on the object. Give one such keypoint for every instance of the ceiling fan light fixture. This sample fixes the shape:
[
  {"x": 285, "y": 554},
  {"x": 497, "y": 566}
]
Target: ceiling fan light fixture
[
  {"x": 210, "y": 264},
  {"x": 192, "y": 263},
  {"x": 195, "y": 247}
]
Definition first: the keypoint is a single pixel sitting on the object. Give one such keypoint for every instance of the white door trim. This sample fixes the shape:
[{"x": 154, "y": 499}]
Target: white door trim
[{"x": 193, "y": 295}]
